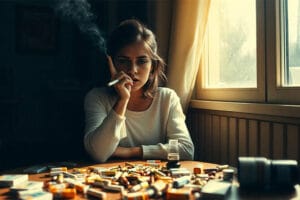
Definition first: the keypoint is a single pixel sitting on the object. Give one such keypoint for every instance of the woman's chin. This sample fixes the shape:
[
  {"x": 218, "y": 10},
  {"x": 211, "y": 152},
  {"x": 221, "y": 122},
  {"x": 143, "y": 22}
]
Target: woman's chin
[{"x": 135, "y": 88}]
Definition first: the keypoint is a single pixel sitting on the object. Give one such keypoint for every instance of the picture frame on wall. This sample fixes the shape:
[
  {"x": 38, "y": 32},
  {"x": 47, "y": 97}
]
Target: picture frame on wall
[{"x": 36, "y": 30}]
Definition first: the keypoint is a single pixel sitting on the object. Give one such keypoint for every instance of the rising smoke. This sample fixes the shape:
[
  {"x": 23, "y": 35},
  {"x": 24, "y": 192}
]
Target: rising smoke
[{"x": 79, "y": 12}]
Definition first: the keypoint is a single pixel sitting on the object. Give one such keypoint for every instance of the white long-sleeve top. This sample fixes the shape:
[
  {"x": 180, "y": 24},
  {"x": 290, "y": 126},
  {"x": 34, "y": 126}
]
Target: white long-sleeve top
[{"x": 151, "y": 129}]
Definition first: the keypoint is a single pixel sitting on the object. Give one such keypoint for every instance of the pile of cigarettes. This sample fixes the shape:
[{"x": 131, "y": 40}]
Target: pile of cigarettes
[{"x": 133, "y": 181}]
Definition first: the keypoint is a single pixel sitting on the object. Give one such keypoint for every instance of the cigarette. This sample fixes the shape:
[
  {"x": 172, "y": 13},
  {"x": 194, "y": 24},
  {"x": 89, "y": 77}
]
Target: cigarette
[
  {"x": 113, "y": 82},
  {"x": 96, "y": 193}
]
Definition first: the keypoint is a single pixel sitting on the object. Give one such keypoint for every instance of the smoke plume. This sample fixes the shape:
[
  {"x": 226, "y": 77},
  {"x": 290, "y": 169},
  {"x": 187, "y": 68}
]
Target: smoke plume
[{"x": 79, "y": 12}]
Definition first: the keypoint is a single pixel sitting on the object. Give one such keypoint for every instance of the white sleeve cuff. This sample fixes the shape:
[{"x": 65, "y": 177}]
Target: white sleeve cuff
[{"x": 154, "y": 152}]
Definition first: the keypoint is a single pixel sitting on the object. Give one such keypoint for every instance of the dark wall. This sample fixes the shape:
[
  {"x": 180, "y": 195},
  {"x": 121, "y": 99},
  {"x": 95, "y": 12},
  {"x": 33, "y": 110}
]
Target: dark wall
[{"x": 47, "y": 66}]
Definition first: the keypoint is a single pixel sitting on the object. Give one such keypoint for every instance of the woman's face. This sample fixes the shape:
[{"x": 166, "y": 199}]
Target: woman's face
[{"x": 134, "y": 60}]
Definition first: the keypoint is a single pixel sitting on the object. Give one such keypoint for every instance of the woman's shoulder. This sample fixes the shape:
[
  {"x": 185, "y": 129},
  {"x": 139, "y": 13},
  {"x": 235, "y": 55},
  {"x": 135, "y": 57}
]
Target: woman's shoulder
[
  {"x": 164, "y": 91},
  {"x": 165, "y": 94},
  {"x": 166, "y": 98}
]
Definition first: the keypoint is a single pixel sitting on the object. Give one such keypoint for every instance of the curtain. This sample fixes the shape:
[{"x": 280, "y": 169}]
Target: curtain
[{"x": 189, "y": 19}]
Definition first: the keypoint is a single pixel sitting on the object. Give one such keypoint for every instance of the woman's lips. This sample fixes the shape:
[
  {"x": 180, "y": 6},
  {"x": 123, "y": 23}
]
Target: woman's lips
[{"x": 134, "y": 80}]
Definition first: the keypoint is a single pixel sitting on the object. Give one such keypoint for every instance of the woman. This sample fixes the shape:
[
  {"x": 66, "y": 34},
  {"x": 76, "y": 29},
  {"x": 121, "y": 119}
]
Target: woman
[{"x": 135, "y": 118}]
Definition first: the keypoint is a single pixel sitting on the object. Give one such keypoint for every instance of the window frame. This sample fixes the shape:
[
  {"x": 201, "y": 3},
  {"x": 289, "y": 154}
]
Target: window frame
[
  {"x": 269, "y": 88},
  {"x": 277, "y": 93}
]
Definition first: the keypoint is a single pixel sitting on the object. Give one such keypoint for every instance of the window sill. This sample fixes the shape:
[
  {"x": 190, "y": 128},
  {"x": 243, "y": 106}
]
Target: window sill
[{"x": 250, "y": 108}]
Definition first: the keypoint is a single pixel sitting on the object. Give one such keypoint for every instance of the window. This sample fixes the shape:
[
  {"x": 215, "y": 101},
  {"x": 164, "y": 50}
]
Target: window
[
  {"x": 291, "y": 43},
  {"x": 251, "y": 52},
  {"x": 231, "y": 45}
]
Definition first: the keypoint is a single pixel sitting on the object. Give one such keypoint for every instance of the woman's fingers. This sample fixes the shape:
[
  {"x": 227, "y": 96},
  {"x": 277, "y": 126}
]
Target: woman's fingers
[{"x": 124, "y": 79}]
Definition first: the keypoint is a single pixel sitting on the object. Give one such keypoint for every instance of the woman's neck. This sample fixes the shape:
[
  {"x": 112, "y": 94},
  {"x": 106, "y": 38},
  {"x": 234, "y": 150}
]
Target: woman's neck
[
  {"x": 138, "y": 102},
  {"x": 136, "y": 95}
]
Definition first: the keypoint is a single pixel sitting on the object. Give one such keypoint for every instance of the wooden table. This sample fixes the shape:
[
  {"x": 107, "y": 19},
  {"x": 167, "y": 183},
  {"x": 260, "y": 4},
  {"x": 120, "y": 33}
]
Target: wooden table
[{"x": 235, "y": 193}]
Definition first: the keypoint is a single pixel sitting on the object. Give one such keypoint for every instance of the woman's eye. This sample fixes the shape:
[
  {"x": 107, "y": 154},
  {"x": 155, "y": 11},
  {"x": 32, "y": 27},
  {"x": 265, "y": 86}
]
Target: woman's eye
[
  {"x": 123, "y": 62},
  {"x": 126, "y": 63},
  {"x": 143, "y": 61}
]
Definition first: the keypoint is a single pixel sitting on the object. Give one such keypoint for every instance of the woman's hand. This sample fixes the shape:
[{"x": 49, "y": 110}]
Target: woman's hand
[
  {"x": 128, "y": 152},
  {"x": 123, "y": 87}
]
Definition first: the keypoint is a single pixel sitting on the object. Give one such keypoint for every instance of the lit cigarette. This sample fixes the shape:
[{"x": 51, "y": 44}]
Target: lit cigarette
[{"x": 113, "y": 82}]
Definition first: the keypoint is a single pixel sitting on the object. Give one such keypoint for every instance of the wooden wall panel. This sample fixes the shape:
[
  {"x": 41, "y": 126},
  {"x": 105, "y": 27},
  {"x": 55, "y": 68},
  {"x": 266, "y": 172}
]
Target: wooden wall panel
[
  {"x": 292, "y": 142},
  {"x": 196, "y": 128},
  {"x": 216, "y": 138},
  {"x": 242, "y": 137},
  {"x": 202, "y": 149},
  {"x": 224, "y": 139},
  {"x": 221, "y": 137},
  {"x": 208, "y": 139},
  {"x": 253, "y": 138},
  {"x": 264, "y": 139},
  {"x": 233, "y": 153},
  {"x": 278, "y": 141}
]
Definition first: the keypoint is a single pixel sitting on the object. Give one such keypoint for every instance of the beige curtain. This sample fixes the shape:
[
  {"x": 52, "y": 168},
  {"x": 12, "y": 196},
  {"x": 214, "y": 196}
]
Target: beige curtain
[{"x": 189, "y": 19}]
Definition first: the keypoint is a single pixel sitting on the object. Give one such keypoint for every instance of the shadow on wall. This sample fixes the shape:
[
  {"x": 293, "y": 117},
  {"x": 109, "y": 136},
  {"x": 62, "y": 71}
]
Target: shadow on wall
[
  {"x": 44, "y": 78},
  {"x": 48, "y": 129}
]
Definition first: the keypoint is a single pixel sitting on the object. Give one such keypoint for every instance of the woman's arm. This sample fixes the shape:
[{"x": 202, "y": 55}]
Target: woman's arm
[
  {"x": 175, "y": 128},
  {"x": 104, "y": 128},
  {"x": 128, "y": 152}
]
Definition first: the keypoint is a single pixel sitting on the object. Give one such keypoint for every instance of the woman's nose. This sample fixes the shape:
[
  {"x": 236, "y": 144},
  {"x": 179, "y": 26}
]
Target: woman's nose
[{"x": 132, "y": 68}]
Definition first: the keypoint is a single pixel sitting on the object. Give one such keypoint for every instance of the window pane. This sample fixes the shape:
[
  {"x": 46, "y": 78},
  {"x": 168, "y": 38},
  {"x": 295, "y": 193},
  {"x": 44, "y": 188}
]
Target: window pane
[
  {"x": 291, "y": 37},
  {"x": 231, "y": 45}
]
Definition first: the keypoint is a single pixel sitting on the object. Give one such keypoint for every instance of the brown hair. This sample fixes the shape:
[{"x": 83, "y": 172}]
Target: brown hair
[{"x": 129, "y": 32}]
